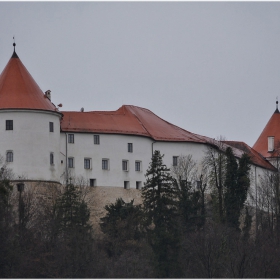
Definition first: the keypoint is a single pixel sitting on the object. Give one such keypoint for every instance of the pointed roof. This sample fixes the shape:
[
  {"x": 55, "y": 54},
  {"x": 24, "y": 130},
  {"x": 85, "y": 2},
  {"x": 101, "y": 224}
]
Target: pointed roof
[
  {"x": 272, "y": 128},
  {"x": 18, "y": 90},
  {"x": 256, "y": 158}
]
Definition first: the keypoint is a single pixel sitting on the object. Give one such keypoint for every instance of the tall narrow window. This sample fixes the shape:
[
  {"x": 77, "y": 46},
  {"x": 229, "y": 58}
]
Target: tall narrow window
[
  {"x": 175, "y": 161},
  {"x": 137, "y": 165},
  {"x": 138, "y": 185},
  {"x": 125, "y": 165},
  {"x": 9, "y": 125},
  {"x": 87, "y": 164},
  {"x": 105, "y": 164},
  {"x": 9, "y": 156},
  {"x": 51, "y": 126},
  {"x": 51, "y": 159},
  {"x": 130, "y": 147},
  {"x": 71, "y": 138},
  {"x": 70, "y": 162},
  {"x": 96, "y": 139},
  {"x": 270, "y": 143}
]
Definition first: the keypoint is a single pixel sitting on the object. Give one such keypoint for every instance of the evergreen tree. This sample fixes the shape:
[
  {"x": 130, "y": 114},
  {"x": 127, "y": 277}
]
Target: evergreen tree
[
  {"x": 122, "y": 220},
  {"x": 232, "y": 215},
  {"x": 237, "y": 184},
  {"x": 160, "y": 206},
  {"x": 189, "y": 205}
]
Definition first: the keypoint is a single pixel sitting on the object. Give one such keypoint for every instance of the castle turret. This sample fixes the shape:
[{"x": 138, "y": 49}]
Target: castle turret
[
  {"x": 268, "y": 143},
  {"x": 29, "y": 125}
]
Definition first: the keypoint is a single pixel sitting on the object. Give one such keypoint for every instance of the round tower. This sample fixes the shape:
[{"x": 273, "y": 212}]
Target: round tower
[{"x": 29, "y": 125}]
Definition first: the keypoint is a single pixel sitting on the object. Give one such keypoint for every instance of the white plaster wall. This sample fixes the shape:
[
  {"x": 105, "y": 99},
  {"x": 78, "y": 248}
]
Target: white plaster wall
[
  {"x": 31, "y": 143},
  {"x": 170, "y": 149},
  {"x": 114, "y": 147}
]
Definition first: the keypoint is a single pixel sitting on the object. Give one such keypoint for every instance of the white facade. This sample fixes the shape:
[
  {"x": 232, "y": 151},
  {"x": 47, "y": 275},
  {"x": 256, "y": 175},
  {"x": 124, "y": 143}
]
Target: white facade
[
  {"x": 113, "y": 148},
  {"x": 31, "y": 143}
]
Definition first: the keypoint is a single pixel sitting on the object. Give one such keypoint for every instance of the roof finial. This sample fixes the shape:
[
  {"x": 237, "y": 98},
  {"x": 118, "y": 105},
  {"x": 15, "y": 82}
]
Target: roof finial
[
  {"x": 276, "y": 111},
  {"x": 14, "y": 44}
]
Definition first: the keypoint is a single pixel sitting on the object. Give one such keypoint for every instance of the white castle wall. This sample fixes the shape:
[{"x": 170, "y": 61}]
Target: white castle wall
[
  {"x": 31, "y": 143},
  {"x": 115, "y": 148}
]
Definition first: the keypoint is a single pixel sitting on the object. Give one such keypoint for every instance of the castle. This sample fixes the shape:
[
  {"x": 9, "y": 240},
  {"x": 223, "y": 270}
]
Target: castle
[{"x": 107, "y": 148}]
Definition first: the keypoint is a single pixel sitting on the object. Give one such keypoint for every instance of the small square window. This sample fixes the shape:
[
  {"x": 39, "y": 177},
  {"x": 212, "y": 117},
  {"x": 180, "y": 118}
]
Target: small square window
[
  {"x": 125, "y": 165},
  {"x": 92, "y": 182},
  {"x": 105, "y": 164},
  {"x": 137, "y": 165},
  {"x": 126, "y": 185},
  {"x": 9, "y": 125},
  {"x": 70, "y": 162},
  {"x": 10, "y": 156},
  {"x": 96, "y": 139},
  {"x": 87, "y": 164},
  {"x": 130, "y": 147},
  {"x": 51, "y": 126},
  {"x": 51, "y": 159},
  {"x": 71, "y": 138}
]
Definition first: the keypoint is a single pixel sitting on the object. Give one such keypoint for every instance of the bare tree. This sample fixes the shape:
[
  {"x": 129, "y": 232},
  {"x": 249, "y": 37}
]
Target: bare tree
[{"x": 214, "y": 161}]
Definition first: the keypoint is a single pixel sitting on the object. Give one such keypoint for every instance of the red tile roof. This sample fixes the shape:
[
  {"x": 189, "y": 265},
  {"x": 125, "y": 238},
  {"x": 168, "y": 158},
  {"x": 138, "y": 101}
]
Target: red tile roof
[
  {"x": 18, "y": 90},
  {"x": 127, "y": 120},
  {"x": 256, "y": 158},
  {"x": 272, "y": 128}
]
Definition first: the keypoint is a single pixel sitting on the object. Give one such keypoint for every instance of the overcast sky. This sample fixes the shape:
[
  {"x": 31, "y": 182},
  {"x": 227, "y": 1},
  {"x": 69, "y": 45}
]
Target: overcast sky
[{"x": 210, "y": 68}]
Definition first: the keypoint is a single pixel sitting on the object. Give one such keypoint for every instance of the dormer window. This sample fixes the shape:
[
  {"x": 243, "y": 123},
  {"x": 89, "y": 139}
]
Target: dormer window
[{"x": 270, "y": 143}]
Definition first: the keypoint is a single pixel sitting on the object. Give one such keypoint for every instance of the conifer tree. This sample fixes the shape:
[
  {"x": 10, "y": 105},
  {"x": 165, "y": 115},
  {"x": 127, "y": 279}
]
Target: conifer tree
[
  {"x": 122, "y": 220},
  {"x": 160, "y": 206},
  {"x": 237, "y": 183}
]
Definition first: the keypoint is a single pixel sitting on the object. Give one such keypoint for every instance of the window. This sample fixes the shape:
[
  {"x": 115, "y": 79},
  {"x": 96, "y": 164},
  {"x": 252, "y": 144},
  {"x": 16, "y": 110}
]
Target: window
[
  {"x": 126, "y": 185},
  {"x": 51, "y": 159},
  {"x": 96, "y": 139},
  {"x": 138, "y": 185},
  {"x": 51, "y": 126},
  {"x": 92, "y": 182},
  {"x": 9, "y": 125},
  {"x": 105, "y": 164},
  {"x": 137, "y": 165},
  {"x": 175, "y": 161},
  {"x": 87, "y": 164},
  {"x": 70, "y": 162},
  {"x": 125, "y": 165},
  {"x": 10, "y": 156},
  {"x": 130, "y": 147},
  {"x": 71, "y": 138},
  {"x": 270, "y": 144}
]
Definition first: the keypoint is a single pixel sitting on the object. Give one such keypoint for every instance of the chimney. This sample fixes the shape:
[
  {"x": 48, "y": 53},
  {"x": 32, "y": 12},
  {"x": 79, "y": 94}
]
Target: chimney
[{"x": 48, "y": 94}]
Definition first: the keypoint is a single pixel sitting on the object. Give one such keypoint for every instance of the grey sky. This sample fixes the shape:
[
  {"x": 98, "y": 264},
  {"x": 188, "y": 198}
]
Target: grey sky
[{"x": 210, "y": 68}]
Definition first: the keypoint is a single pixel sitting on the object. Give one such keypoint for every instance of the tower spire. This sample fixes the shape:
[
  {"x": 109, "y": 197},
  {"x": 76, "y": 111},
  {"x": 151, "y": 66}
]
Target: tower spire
[
  {"x": 276, "y": 111},
  {"x": 14, "y": 54}
]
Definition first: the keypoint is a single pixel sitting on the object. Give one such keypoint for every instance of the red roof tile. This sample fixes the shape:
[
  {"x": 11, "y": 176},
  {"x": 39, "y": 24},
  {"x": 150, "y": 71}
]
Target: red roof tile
[
  {"x": 127, "y": 120},
  {"x": 256, "y": 158},
  {"x": 18, "y": 90},
  {"x": 271, "y": 129}
]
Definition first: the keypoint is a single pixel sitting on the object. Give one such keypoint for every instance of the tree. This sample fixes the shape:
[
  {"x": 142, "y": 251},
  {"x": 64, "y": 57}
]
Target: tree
[
  {"x": 237, "y": 183},
  {"x": 214, "y": 162},
  {"x": 190, "y": 193},
  {"x": 160, "y": 207},
  {"x": 122, "y": 223}
]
